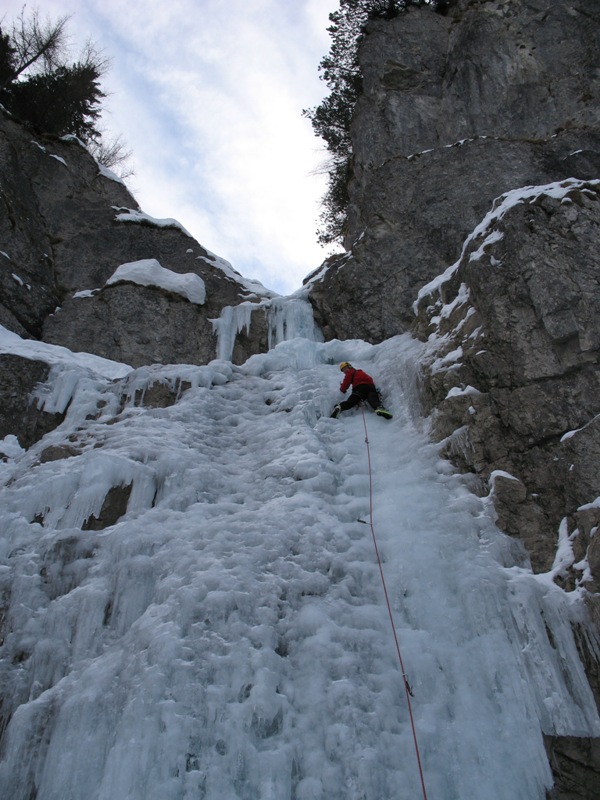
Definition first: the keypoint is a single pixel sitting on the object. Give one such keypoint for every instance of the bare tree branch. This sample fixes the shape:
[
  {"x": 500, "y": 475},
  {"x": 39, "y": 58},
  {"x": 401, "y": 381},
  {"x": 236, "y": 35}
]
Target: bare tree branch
[{"x": 37, "y": 43}]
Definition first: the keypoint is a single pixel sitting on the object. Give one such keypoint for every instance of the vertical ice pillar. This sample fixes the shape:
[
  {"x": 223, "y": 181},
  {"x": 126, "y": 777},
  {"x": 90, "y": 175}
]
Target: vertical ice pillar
[
  {"x": 287, "y": 318},
  {"x": 291, "y": 318},
  {"x": 232, "y": 321}
]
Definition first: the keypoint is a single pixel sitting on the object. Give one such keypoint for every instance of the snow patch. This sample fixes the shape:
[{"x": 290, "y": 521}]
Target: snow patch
[
  {"x": 587, "y": 506},
  {"x": 500, "y": 473},
  {"x": 12, "y": 343},
  {"x": 449, "y": 361},
  {"x": 251, "y": 286},
  {"x": 139, "y": 218},
  {"x": 468, "y": 390},
  {"x": 495, "y": 236},
  {"x": 526, "y": 194},
  {"x": 149, "y": 272}
]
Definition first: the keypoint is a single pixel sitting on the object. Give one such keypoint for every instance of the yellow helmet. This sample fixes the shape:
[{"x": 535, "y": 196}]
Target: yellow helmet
[{"x": 345, "y": 364}]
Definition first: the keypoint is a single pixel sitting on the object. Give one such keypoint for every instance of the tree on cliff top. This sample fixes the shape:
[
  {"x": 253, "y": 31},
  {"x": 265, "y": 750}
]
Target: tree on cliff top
[
  {"x": 31, "y": 44},
  {"x": 331, "y": 119},
  {"x": 39, "y": 85}
]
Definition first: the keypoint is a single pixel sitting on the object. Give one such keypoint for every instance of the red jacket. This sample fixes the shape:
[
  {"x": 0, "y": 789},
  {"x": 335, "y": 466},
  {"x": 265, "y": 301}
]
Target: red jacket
[{"x": 355, "y": 377}]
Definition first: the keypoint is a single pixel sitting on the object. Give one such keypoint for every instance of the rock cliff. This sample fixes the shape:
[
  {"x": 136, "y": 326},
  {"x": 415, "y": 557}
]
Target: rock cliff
[
  {"x": 66, "y": 227},
  {"x": 455, "y": 111}
]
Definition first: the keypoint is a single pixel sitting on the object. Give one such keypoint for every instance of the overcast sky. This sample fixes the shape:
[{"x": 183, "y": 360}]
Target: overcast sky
[{"x": 208, "y": 95}]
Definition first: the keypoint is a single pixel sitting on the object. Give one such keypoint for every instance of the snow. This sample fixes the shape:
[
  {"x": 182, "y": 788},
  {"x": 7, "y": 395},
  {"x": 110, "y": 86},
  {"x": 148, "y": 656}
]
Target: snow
[
  {"x": 140, "y": 218},
  {"x": 13, "y": 344},
  {"x": 565, "y": 556},
  {"x": 456, "y": 391},
  {"x": 251, "y": 286},
  {"x": 318, "y": 275},
  {"x": 558, "y": 190},
  {"x": 20, "y": 281},
  {"x": 594, "y": 504},
  {"x": 500, "y": 473},
  {"x": 9, "y": 446},
  {"x": 228, "y": 636},
  {"x": 149, "y": 272},
  {"x": 570, "y": 434},
  {"x": 52, "y": 155},
  {"x": 495, "y": 236},
  {"x": 449, "y": 361},
  {"x": 108, "y": 173}
]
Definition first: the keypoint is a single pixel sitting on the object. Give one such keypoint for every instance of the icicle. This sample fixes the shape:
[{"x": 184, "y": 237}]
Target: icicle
[
  {"x": 287, "y": 318},
  {"x": 232, "y": 321},
  {"x": 290, "y": 318},
  {"x": 56, "y": 395},
  {"x": 458, "y": 443}
]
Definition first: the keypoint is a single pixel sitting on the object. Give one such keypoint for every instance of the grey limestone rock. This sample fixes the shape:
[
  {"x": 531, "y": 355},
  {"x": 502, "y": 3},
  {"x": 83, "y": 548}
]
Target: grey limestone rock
[
  {"x": 525, "y": 303},
  {"x": 455, "y": 111},
  {"x": 134, "y": 324},
  {"x": 66, "y": 228},
  {"x": 19, "y": 413},
  {"x": 576, "y": 763}
]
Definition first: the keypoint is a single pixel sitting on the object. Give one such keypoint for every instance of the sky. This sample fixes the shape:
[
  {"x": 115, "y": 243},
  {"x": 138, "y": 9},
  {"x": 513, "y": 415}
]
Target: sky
[{"x": 208, "y": 96}]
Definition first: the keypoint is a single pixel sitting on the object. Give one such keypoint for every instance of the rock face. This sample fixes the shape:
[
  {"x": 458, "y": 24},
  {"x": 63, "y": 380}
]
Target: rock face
[
  {"x": 134, "y": 324},
  {"x": 65, "y": 227},
  {"x": 19, "y": 412},
  {"x": 513, "y": 374},
  {"x": 456, "y": 110},
  {"x": 577, "y": 762}
]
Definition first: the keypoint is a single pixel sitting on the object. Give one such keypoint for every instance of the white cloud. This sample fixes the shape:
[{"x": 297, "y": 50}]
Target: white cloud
[{"x": 209, "y": 96}]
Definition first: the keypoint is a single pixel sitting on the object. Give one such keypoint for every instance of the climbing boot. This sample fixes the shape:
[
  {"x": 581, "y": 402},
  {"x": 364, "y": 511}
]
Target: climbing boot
[
  {"x": 383, "y": 412},
  {"x": 336, "y": 411}
]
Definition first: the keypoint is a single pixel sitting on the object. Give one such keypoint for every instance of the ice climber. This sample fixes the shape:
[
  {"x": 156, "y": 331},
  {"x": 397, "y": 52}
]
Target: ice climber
[{"x": 363, "y": 388}]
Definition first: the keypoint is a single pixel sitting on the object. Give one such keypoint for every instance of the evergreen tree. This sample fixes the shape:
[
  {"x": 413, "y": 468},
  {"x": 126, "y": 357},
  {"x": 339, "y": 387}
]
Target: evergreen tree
[
  {"x": 7, "y": 58},
  {"x": 40, "y": 86},
  {"x": 60, "y": 102}
]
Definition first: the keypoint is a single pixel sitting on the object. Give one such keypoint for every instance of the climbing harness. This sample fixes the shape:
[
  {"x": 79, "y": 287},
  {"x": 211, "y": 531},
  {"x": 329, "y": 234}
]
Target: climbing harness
[{"x": 407, "y": 686}]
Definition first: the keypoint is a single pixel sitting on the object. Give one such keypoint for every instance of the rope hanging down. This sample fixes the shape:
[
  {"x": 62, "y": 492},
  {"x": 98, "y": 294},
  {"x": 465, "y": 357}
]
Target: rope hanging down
[{"x": 407, "y": 687}]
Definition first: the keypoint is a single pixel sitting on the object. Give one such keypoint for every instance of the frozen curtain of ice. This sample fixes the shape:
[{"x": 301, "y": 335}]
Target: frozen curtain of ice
[
  {"x": 227, "y": 637},
  {"x": 287, "y": 318}
]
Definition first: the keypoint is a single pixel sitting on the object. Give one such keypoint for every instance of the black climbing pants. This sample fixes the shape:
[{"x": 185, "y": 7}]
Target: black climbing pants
[{"x": 364, "y": 391}]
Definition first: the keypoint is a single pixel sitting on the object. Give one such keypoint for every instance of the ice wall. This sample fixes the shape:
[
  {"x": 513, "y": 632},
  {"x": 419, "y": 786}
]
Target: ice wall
[
  {"x": 227, "y": 636},
  {"x": 286, "y": 317}
]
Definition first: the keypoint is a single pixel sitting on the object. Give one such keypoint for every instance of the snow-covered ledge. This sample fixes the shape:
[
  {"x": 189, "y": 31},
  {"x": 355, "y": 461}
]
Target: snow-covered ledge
[{"x": 149, "y": 272}]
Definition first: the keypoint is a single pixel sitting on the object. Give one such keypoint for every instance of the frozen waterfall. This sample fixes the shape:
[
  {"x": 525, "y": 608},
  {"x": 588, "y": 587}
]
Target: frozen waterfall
[
  {"x": 286, "y": 318},
  {"x": 227, "y": 638}
]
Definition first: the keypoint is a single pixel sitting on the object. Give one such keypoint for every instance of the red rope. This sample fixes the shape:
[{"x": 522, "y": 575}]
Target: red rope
[{"x": 407, "y": 688}]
